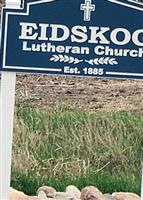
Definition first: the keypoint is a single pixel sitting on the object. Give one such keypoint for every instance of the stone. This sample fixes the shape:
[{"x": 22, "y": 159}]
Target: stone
[
  {"x": 16, "y": 195},
  {"x": 48, "y": 191},
  {"x": 73, "y": 192},
  {"x": 125, "y": 196},
  {"x": 63, "y": 196},
  {"x": 42, "y": 195},
  {"x": 91, "y": 193},
  {"x": 108, "y": 196}
]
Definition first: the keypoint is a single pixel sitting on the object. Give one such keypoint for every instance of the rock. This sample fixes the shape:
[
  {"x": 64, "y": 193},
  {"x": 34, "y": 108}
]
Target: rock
[
  {"x": 42, "y": 195},
  {"x": 91, "y": 193},
  {"x": 125, "y": 196},
  {"x": 48, "y": 191},
  {"x": 108, "y": 197},
  {"x": 63, "y": 196},
  {"x": 73, "y": 191},
  {"x": 16, "y": 195}
]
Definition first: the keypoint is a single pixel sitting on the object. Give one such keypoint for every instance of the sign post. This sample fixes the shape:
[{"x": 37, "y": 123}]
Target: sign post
[
  {"x": 6, "y": 133},
  {"x": 7, "y": 99}
]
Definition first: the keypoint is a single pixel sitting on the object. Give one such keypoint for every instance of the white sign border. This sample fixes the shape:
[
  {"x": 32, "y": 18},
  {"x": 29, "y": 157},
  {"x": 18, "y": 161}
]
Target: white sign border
[{"x": 56, "y": 69}]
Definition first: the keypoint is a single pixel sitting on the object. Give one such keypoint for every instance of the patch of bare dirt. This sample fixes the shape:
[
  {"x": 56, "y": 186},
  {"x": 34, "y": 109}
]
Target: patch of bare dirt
[{"x": 89, "y": 93}]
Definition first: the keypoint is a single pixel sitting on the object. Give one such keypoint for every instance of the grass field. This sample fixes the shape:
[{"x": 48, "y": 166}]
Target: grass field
[{"x": 64, "y": 146}]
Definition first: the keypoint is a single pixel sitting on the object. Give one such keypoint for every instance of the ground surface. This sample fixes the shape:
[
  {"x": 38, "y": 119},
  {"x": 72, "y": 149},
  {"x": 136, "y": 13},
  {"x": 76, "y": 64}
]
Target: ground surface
[{"x": 90, "y": 93}]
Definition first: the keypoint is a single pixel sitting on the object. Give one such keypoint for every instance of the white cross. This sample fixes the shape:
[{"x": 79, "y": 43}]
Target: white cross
[{"x": 87, "y": 8}]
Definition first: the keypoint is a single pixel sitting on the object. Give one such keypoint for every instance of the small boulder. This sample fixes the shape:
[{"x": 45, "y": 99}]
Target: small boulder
[
  {"x": 108, "y": 196},
  {"x": 16, "y": 195},
  {"x": 46, "y": 191},
  {"x": 125, "y": 196},
  {"x": 73, "y": 191},
  {"x": 63, "y": 196},
  {"x": 42, "y": 195},
  {"x": 91, "y": 193}
]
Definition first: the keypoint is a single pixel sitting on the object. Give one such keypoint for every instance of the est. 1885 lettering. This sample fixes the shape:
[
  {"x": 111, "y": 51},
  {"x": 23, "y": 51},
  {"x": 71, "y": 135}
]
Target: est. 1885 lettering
[{"x": 93, "y": 71}]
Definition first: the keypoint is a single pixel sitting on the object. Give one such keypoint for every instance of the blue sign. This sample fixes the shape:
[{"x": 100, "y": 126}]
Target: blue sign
[{"x": 101, "y": 38}]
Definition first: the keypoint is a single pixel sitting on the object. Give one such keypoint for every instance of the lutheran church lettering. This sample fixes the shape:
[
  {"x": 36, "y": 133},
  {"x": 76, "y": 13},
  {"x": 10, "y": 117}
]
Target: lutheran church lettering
[{"x": 97, "y": 36}]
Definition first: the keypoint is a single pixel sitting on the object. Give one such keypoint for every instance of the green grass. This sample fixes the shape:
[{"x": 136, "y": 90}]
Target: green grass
[{"x": 59, "y": 147}]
